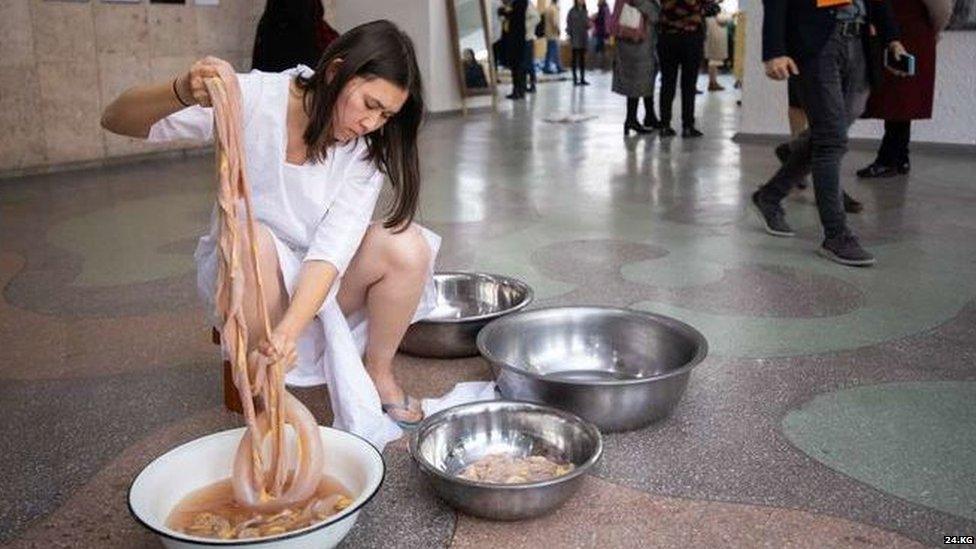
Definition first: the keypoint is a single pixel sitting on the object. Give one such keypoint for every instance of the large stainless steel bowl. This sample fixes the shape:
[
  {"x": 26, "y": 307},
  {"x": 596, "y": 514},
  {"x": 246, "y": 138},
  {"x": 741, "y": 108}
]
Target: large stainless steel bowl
[
  {"x": 466, "y": 302},
  {"x": 618, "y": 368},
  {"x": 448, "y": 441}
]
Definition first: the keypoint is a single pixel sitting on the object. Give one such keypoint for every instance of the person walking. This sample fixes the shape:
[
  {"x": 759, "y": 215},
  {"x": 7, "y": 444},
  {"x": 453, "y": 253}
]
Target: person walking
[{"x": 825, "y": 47}]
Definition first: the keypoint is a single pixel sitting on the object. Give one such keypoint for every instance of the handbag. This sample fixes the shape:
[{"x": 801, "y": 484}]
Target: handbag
[{"x": 628, "y": 22}]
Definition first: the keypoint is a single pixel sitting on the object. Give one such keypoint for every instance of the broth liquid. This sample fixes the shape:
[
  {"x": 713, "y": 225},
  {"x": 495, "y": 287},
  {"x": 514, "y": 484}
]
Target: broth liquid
[{"x": 213, "y": 512}]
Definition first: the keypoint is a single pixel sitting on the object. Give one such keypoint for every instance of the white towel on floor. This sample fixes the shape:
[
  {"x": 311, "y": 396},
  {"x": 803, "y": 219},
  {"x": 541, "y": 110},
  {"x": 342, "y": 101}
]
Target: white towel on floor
[
  {"x": 339, "y": 348},
  {"x": 568, "y": 117},
  {"x": 355, "y": 402}
]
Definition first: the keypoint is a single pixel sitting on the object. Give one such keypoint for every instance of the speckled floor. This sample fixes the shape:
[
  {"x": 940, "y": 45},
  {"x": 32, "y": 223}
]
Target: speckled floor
[{"x": 837, "y": 406}]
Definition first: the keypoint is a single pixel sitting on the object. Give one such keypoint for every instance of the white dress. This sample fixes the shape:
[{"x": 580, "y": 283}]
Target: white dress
[
  {"x": 314, "y": 212},
  {"x": 717, "y": 37}
]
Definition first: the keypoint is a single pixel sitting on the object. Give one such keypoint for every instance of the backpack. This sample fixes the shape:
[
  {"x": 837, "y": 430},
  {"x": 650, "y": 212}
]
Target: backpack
[{"x": 540, "y": 29}]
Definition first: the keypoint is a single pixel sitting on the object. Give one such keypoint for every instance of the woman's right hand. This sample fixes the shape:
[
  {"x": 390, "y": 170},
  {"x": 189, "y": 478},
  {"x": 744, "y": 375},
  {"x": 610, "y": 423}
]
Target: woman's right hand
[{"x": 191, "y": 84}]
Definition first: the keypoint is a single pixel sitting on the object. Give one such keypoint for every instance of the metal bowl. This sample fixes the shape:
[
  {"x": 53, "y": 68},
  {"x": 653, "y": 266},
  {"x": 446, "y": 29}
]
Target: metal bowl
[
  {"x": 448, "y": 441},
  {"x": 465, "y": 303},
  {"x": 618, "y": 368}
]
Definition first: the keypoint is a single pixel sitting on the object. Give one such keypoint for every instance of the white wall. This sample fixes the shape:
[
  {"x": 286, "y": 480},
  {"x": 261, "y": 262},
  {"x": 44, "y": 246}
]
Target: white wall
[
  {"x": 425, "y": 21},
  {"x": 954, "y": 115}
]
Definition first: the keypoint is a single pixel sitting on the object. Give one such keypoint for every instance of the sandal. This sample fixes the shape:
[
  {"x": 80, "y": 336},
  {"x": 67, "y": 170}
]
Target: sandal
[{"x": 406, "y": 406}]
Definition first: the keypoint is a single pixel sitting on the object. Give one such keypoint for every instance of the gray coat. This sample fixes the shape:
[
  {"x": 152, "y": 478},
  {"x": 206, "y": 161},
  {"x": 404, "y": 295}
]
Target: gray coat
[
  {"x": 635, "y": 64},
  {"x": 578, "y": 27}
]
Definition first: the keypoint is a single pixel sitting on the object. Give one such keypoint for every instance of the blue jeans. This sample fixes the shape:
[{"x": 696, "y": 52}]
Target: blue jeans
[{"x": 552, "y": 64}]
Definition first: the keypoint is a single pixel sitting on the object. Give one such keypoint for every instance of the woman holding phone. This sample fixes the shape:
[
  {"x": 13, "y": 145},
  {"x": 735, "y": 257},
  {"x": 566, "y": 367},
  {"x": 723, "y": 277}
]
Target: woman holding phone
[{"x": 897, "y": 99}]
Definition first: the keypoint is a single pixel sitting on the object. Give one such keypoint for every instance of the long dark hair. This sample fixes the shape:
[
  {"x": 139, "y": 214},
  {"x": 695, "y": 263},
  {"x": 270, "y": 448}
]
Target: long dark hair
[{"x": 373, "y": 50}]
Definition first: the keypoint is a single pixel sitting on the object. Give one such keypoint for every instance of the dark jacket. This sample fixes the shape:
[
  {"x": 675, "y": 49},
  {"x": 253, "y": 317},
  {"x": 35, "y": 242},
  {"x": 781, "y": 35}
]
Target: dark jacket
[
  {"x": 799, "y": 29},
  {"x": 286, "y": 36},
  {"x": 515, "y": 38}
]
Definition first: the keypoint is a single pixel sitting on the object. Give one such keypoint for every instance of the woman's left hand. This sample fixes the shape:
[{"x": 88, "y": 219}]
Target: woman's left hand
[
  {"x": 280, "y": 346},
  {"x": 896, "y": 50}
]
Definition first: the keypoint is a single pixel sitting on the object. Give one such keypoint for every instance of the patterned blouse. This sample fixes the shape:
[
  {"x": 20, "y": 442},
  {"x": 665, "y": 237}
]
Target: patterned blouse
[{"x": 681, "y": 16}]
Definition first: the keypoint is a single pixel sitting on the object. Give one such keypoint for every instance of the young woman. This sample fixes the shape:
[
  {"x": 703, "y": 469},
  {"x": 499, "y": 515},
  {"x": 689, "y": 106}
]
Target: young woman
[
  {"x": 318, "y": 147},
  {"x": 578, "y": 28}
]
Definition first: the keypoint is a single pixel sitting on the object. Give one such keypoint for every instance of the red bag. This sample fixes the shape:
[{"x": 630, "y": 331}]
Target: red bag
[{"x": 627, "y": 22}]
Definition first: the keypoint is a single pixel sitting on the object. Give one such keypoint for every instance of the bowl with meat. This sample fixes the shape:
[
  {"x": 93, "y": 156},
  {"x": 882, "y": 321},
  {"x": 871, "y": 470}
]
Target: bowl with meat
[
  {"x": 505, "y": 460},
  {"x": 187, "y": 499}
]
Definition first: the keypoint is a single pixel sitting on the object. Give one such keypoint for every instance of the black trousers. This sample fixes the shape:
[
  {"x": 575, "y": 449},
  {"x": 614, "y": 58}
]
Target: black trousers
[
  {"x": 632, "y": 103},
  {"x": 684, "y": 51},
  {"x": 834, "y": 87},
  {"x": 518, "y": 66},
  {"x": 894, "y": 144},
  {"x": 579, "y": 63}
]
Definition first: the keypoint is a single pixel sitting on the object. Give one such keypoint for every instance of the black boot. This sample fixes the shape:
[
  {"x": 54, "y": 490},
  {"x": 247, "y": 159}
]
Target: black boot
[
  {"x": 633, "y": 125},
  {"x": 875, "y": 170}
]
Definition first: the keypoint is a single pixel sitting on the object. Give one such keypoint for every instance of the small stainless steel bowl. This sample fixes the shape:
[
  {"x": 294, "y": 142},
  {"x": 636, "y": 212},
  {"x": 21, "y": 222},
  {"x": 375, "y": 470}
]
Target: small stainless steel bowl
[
  {"x": 466, "y": 302},
  {"x": 618, "y": 368},
  {"x": 448, "y": 441}
]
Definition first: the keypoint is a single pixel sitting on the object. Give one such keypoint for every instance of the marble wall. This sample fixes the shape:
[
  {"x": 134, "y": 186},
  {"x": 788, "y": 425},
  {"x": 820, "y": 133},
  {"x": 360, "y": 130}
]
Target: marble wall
[{"x": 62, "y": 62}]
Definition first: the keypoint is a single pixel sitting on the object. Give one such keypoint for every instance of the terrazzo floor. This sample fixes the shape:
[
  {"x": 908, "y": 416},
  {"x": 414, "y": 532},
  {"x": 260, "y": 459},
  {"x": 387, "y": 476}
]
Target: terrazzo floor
[{"x": 837, "y": 406}]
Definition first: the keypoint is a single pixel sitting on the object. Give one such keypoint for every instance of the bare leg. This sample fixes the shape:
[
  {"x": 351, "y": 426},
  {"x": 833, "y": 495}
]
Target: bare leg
[
  {"x": 798, "y": 120},
  {"x": 387, "y": 277},
  {"x": 276, "y": 297}
]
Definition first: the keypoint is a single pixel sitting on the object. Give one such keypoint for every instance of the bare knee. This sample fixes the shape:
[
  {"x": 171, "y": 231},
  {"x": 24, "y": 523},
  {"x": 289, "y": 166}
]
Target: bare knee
[{"x": 403, "y": 252}]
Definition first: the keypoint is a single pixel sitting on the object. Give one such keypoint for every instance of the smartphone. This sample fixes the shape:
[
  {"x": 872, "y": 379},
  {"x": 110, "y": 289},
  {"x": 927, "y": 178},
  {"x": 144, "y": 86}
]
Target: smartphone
[{"x": 905, "y": 63}]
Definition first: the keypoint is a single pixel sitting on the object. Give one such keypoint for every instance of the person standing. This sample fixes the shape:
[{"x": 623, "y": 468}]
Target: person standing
[
  {"x": 287, "y": 35},
  {"x": 716, "y": 47},
  {"x": 823, "y": 45},
  {"x": 514, "y": 14},
  {"x": 601, "y": 22},
  {"x": 552, "y": 24},
  {"x": 578, "y": 29},
  {"x": 532, "y": 19},
  {"x": 898, "y": 101},
  {"x": 680, "y": 48},
  {"x": 635, "y": 65}
]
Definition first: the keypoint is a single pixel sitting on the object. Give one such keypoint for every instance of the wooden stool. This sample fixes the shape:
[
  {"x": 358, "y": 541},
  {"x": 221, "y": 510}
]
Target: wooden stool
[{"x": 232, "y": 400}]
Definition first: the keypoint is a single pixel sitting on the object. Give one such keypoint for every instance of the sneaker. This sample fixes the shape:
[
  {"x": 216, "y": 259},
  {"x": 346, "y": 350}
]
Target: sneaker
[
  {"x": 846, "y": 250},
  {"x": 772, "y": 216},
  {"x": 691, "y": 132}
]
